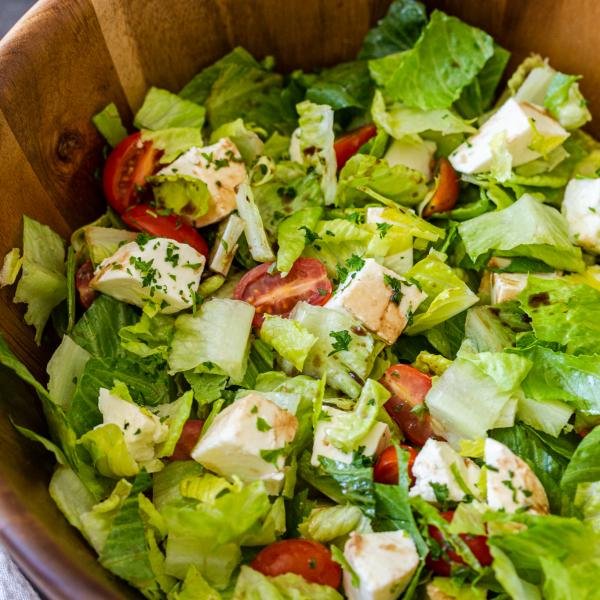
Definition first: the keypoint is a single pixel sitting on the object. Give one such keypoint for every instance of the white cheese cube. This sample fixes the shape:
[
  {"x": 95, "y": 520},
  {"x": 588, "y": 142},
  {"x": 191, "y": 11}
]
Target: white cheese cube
[
  {"x": 414, "y": 154},
  {"x": 369, "y": 296},
  {"x": 521, "y": 124},
  {"x": 507, "y": 286},
  {"x": 239, "y": 438},
  {"x": 221, "y": 167},
  {"x": 160, "y": 270},
  {"x": 376, "y": 441},
  {"x": 435, "y": 464},
  {"x": 511, "y": 484},
  {"x": 581, "y": 208},
  {"x": 141, "y": 429},
  {"x": 384, "y": 563}
]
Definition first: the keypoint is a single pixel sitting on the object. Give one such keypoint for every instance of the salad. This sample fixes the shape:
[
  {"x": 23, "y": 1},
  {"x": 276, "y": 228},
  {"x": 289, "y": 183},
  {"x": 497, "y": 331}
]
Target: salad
[{"x": 337, "y": 333}]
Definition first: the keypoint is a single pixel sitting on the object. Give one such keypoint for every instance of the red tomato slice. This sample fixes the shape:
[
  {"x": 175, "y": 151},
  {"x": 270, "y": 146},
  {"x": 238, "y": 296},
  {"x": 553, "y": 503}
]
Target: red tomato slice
[
  {"x": 126, "y": 170},
  {"x": 443, "y": 564},
  {"x": 348, "y": 145},
  {"x": 84, "y": 275},
  {"x": 386, "y": 467},
  {"x": 277, "y": 295},
  {"x": 309, "y": 559},
  {"x": 446, "y": 190},
  {"x": 143, "y": 217},
  {"x": 408, "y": 387},
  {"x": 188, "y": 439}
]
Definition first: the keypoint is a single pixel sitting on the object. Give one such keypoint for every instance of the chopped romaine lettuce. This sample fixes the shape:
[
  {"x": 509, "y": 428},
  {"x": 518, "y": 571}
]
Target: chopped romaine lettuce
[
  {"x": 163, "y": 110},
  {"x": 64, "y": 369},
  {"x": 108, "y": 123},
  {"x": 254, "y": 229},
  {"x": 292, "y": 236},
  {"x": 245, "y": 140},
  {"x": 291, "y": 341},
  {"x": 182, "y": 194}
]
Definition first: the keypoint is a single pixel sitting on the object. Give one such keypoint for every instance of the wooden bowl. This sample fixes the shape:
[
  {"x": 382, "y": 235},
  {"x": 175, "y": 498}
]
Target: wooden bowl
[{"x": 62, "y": 63}]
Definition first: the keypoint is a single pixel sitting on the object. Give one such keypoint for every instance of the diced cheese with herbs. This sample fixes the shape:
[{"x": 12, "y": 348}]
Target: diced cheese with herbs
[
  {"x": 383, "y": 562},
  {"x": 226, "y": 245},
  {"x": 441, "y": 473},
  {"x": 414, "y": 154},
  {"x": 377, "y": 439},
  {"x": 581, "y": 208},
  {"x": 507, "y": 286},
  {"x": 158, "y": 270},
  {"x": 379, "y": 298},
  {"x": 525, "y": 129},
  {"x": 221, "y": 167},
  {"x": 141, "y": 429},
  {"x": 247, "y": 440},
  {"x": 511, "y": 485}
]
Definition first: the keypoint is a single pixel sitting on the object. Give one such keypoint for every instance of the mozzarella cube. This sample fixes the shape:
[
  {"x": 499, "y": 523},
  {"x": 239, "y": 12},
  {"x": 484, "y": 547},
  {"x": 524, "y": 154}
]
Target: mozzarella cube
[
  {"x": 141, "y": 429},
  {"x": 160, "y": 270},
  {"x": 221, "y": 167},
  {"x": 384, "y": 563},
  {"x": 521, "y": 124},
  {"x": 236, "y": 442},
  {"x": 434, "y": 467},
  {"x": 414, "y": 154},
  {"x": 511, "y": 484},
  {"x": 369, "y": 296},
  {"x": 581, "y": 208},
  {"x": 507, "y": 286},
  {"x": 376, "y": 441}
]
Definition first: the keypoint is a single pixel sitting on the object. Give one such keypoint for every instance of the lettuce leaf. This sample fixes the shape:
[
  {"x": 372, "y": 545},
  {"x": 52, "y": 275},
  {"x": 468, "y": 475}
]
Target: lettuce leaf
[
  {"x": 565, "y": 102},
  {"x": 245, "y": 140},
  {"x": 181, "y": 194},
  {"x": 291, "y": 341},
  {"x": 149, "y": 336},
  {"x": 108, "y": 123},
  {"x": 327, "y": 523},
  {"x": 254, "y": 228},
  {"x": 584, "y": 466},
  {"x": 292, "y": 236},
  {"x": 163, "y": 110},
  {"x": 192, "y": 587},
  {"x": 173, "y": 141}
]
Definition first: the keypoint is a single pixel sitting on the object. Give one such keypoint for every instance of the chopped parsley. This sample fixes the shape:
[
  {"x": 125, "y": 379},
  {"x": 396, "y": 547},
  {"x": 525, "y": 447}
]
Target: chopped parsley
[
  {"x": 352, "y": 264},
  {"x": 262, "y": 425},
  {"x": 382, "y": 229},
  {"x": 271, "y": 456},
  {"x": 396, "y": 287},
  {"x": 254, "y": 409},
  {"x": 441, "y": 493},
  {"x": 172, "y": 255},
  {"x": 145, "y": 268},
  {"x": 311, "y": 236},
  {"x": 341, "y": 341},
  {"x": 142, "y": 239},
  {"x": 286, "y": 192}
]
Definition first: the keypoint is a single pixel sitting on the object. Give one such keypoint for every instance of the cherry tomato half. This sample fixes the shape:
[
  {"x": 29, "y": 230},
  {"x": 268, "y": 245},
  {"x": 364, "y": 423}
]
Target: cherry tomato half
[
  {"x": 144, "y": 218},
  {"x": 277, "y": 295},
  {"x": 309, "y": 559},
  {"x": 126, "y": 170},
  {"x": 408, "y": 387},
  {"x": 386, "y": 466},
  {"x": 188, "y": 439},
  {"x": 348, "y": 145},
  {"x": 84, "y": 275},
  {"x": 443, "y": 564},
  {"x": 445, "y": 193}
]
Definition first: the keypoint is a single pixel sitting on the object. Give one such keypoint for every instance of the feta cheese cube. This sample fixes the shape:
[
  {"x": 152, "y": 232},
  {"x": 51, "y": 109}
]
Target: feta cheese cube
[
  {"x": 221, "y": 167},
  {"x": 384, "y": 563},
  {"x": 581, "y": 208},
  {"x": 160, "y": 270},
  {"x": 141, "y": 429},
  {"x": 414, "y": 154},
  {"x": 379, "y": 298},
  {"x": 510, "y": 483},
  {"x": 434, "y": 466},
  {"x": 240, "y": 437},
  {"x": 507, "y": 286},
  {"x": 521, "y": 124},
  {"x": 376, "y": 441}
]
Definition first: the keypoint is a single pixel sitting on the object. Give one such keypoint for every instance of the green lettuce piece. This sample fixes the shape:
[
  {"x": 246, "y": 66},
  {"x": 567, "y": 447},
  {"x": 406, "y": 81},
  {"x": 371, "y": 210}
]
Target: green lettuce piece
[
  {"x": 565, "y": 102},
  {"x": 587, "y": 501},
  {"x": 254, "y": 228},
  {"x": 549, "y": 416},
  {"x": 325, "y": 524},
  {"x": 149, "y": 336},
  {"x": 446, "y": 58},
  {"x": 270, "y": 528},
  {"x": 312, "y": 144},
  {"x": 252, "y": 585},
  {"x": 399, "y": 182},
  {"x": 584, "y": 466},
  {"x": 526, "y": 228},
  {"x": 162, "y": 110},
  {"x": 507, "y": 576},
  {"x": 194, "y": 586},
  {"x": 108, "y": 123},
  {"x": 166, "y": 483},
  {"x": 245, "y": 140},
  {"x": 398, "y": 30},
  {"x": 11, "y": 267},
  {"x": 400, "y": 121},
  {"x": 108, "y": 451},
  {"x": 43, "y": 284},
  {"x": 260, "y": 360},
  {"x": 103, "y": 242},
  {"x": 291, "y": 341},
  {"x": 457, "y": 590},
  {"x": 433, "y": 364},
  {"x": 563, "y": 313},
  {"x": 64, "y": 369},
  {"x": 447, "y": 294},
  {"x": 216, "y": 336},
  {"x": 486, "y": 332},
  {"x": 70, "y": 495},
  {"x": 174, "y": 415},
  {"x": 181, "y": 194},
  {"x": 292, "y": 236},
  {"x": 48, "y": 444},
  {"x": 350, "y": 428},
  {"x": 173, "y": 141}
]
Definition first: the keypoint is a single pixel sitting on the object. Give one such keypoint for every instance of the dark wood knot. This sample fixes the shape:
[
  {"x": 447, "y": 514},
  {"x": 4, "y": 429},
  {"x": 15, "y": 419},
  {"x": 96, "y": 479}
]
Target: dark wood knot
[{"x": 70, "y": 143}]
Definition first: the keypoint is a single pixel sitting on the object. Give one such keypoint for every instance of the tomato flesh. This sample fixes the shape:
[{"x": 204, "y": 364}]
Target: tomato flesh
[
  {"x": 443, "y": 564},
  {"x": 348, "y": 145},
  {"x": 446, "y": 190},
  {"x": 84, "y": 275},
  {"x": 188, "y": 439},
  {"x": 276, "y": 295},
  {"x": 408, "y": 387},
  {"x": 386, "y": 466},
  {"x": 126, "y": 170},
  {"x": 306, "y": 558},
  {"x": 143, "y": 217}
]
